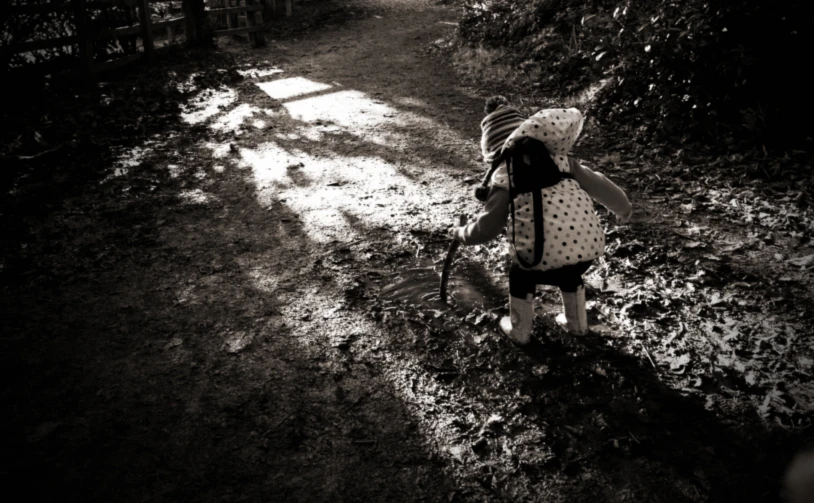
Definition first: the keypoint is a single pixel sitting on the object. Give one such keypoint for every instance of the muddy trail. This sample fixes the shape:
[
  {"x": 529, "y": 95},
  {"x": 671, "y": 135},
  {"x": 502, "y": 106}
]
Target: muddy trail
[{"x": 226, "y": 289}]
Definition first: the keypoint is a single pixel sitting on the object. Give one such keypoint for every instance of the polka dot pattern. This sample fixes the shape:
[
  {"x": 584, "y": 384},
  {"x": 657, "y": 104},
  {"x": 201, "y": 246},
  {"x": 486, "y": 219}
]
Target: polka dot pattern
[
  {"x": 572, "y": 230},
  {"x": 557, "y": 128},
  {"x": 500, "y": 178}
]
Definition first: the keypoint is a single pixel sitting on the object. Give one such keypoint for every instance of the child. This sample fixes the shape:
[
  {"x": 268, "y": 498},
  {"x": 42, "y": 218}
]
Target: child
[{"x": 572, "y": 236}]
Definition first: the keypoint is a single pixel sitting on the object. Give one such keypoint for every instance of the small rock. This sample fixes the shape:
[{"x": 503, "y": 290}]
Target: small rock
[
  {"x": 237, "y": 342},
  {"x": 457, "y": 453},
  {"x": 175, "y": 342},
  {"x": 539, "y": 370}
]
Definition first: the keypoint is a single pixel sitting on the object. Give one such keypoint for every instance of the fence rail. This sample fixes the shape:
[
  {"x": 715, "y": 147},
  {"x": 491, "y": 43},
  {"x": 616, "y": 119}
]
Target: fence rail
[{"x": 85, "y": 36}]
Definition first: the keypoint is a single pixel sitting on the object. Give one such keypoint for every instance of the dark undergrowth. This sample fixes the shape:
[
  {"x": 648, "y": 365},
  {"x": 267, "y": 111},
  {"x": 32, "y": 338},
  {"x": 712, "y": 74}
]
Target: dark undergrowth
[{"x": 721, "y": 74}]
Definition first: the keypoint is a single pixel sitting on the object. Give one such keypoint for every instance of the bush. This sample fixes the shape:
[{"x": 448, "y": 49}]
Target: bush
[{"x": 696, "y": 70}]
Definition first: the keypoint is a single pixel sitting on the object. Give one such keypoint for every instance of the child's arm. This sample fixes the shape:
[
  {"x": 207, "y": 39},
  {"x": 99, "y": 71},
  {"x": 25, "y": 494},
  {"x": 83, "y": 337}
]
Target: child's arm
[
  {"x": 604, "y": 191},
  {"x": 489, "y": 223}
]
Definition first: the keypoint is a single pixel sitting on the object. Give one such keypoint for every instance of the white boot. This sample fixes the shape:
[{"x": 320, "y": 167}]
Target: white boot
[
  {"x": 518, "y": 327},
  {"x": 573, "y": 305}
]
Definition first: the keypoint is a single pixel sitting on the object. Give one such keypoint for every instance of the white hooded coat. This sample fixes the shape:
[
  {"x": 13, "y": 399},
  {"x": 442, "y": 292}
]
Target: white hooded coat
[{"x": 571, "y": 227}]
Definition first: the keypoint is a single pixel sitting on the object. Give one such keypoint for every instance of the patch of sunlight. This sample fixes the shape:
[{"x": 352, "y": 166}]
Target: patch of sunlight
[
  {"x": 274, "y": 112},
  {"x": 188, "y": 85},
  {"x": 291, "y": 87},
  {"x": 256, "y": 73},
  {"x": 129, "y": 159},
  {"x": 287, "y": 136},
  {"x": 234, "y": 118},
  {"x": 262, "y": 280},
  {"x": 410, "y": 102},
  {"x": 174, "y": 170},
  {"x": 219, "y": 150},
  {"x": 270, "y": 163},
  {"x": 324, "y": 224},
  {"x": 586, "y": 96},
  {"x": 331, "y": 191},
  {"x": 132, "y": 158},
  {"x": 195, "y": 196},
  {"x": 259, "y": 124},
  {"x": 218, "y": 168},
  {"x": 314, "y": 134},
  {"x": 343, "y": 108},
  {"x": 372, "y": 120},
  {"x": 207, "y": 104}
]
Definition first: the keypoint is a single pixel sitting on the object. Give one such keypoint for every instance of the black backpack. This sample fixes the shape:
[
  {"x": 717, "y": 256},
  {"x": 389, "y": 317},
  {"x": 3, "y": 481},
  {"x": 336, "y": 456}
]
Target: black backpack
[{"x": 531, "y": 169}]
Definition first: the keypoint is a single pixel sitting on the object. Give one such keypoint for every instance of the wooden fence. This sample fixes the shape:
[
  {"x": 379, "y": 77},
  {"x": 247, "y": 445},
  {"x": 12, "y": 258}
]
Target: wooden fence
[{"x": 84, "y": 36}]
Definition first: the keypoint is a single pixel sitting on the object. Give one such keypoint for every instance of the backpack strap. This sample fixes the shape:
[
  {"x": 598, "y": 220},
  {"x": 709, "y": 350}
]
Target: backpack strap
[
  {"x": 541, "y": 159},
  {"x": 537, "y": 210},
  {"x": 482, "y": 190}
]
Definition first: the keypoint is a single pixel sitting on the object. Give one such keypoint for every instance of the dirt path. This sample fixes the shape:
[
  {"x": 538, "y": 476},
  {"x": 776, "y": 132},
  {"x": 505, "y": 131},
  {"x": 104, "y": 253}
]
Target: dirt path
[{"x": 241, "y": 308}]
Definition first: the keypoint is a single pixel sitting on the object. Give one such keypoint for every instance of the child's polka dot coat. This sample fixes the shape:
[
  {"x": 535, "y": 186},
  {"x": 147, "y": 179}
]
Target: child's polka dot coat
[{"x": 572, "y": 230}]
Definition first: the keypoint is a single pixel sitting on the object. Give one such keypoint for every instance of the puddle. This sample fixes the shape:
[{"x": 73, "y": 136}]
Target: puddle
[{"x": 468, "y": 289}]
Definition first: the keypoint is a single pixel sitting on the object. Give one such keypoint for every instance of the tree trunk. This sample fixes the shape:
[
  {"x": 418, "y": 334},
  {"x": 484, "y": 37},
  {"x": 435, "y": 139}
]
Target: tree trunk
[{"x": 198, "y": 27}]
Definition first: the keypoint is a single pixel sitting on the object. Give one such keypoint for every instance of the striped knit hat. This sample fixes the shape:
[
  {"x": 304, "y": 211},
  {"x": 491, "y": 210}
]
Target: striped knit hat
[{"x": 495, "y": 128}]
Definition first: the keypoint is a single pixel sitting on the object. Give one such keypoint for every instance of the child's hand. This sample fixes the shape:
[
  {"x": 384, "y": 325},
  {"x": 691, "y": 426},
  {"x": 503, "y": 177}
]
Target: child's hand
[
  {"x": 625, "y": 217},
  {"x": 457, "y": 233}
]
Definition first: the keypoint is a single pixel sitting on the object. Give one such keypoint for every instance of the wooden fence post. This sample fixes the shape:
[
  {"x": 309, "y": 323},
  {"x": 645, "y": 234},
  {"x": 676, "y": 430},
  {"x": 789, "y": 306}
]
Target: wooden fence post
[
  {"x": 230, "y": 19},
  {"x": 269, "y": 10},
  {"x": 287, "y": 8},
  {"x": 251, "y": 21},
  {"x": 146, "y": 30},
  {"x": 260, "y": 39},
  {"x": 85, "y": 42}
]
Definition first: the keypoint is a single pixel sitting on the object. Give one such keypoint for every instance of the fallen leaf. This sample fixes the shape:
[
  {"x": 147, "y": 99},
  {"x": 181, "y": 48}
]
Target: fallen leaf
[
  {"x": 237, "y": 342},
  {"x": 732, "y": 247},
  {"x": 679, "y": 364},
  {"x": 805, "y": 261},
  {"x": 175, "y": 342}
]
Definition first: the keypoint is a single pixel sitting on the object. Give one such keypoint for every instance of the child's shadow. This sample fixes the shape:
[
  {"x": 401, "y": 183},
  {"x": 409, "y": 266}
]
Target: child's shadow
[{"x": 608, "y": 410}]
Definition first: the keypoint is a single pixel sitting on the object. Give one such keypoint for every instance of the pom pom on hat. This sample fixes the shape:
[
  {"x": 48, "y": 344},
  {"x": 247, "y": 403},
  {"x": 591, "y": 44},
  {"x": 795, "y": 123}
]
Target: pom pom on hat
[{"x": 493, "y": 103}]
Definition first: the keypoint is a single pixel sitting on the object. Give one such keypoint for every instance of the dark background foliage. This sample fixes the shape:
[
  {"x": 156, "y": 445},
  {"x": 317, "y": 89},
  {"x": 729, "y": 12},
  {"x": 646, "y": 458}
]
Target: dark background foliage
[
  {"x": 16, "y": 28},
  {"x": 723, "y": 72}
]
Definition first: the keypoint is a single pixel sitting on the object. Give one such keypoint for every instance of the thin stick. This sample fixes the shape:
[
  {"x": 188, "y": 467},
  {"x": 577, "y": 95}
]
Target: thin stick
[
  {"x": 647, "y": 353},
  {"x": 453, "y": 247}
]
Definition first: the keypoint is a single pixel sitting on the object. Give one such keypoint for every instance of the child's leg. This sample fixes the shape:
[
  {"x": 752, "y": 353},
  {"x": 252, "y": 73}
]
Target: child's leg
[
  {"x": 569, "y": 280},
  {"x": 518, "y": 325},
  {"x": 573, "y": 304}
]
